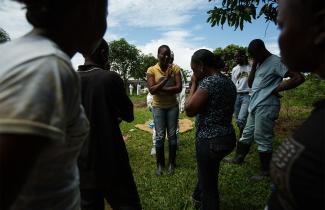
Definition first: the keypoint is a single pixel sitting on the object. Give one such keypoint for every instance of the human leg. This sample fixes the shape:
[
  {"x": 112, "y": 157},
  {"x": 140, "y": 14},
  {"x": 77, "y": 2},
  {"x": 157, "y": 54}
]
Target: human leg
[
  {"x": 265, "y": 121},
  {"x": 160, "y": 116},
  {"x": 243, "y": 113},
  {"x": 172, "y": 123},
  {"x": 208, "y": 163},
  {"x": 245, "y": 141}
]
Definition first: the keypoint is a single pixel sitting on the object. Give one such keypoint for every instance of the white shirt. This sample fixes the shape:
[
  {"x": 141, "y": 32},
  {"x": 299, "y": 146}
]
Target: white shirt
[
  {"x": 239, "y": 77},
  {"x": 40, "y": 95}
]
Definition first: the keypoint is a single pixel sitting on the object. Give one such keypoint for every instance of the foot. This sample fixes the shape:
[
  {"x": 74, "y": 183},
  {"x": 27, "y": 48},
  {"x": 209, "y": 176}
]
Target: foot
[
  {"x": 159, "y": 170},
  {"x": 235, "y": 160},
  {"x": 171, "y": 169}
]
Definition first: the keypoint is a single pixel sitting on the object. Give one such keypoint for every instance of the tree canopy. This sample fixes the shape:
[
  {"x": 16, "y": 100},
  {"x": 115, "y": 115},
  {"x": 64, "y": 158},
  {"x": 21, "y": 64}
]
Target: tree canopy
[
  {"x": 3, "y": 36},
  {"x": 228, "y": 54},
  {"x": 144, "y": 63},
  {"x": 238, "y": 12},
  {"x": 124, "y": 58}
]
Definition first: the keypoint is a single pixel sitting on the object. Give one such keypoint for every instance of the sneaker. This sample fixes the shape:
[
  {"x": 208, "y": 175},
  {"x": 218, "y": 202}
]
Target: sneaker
[{"x": 153, "y": 151}]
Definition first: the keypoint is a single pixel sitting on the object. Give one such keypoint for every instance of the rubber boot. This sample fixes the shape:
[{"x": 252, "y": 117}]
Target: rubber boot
[
  {"x": 241, "y": 152},
  {"x": 265, "y": 159},
  {"x": 160, "y": 157},
  {"x": 172, "y": 159}
]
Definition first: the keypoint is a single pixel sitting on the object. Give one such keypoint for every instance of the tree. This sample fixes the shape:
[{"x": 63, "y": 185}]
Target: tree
[
  {"x": 237, "y": 12},
  {"x": 228, "y": 54},
  {"x": 3, "y": 36},
  {"x": 145, "y": 61},
  {"x": 124, "y": 58}
]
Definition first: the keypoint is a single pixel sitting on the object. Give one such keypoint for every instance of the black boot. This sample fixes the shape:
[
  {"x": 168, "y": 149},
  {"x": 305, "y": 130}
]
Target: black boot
[
  {"x": 160, "y": 157},
  {"x": 265, "y": 159},
  {"x": 172, "y": 159},
  {"x": 241, "y": 152}
]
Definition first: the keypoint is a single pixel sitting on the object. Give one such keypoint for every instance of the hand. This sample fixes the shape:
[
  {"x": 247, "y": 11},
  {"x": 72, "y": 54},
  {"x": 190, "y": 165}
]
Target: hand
[
  {"x": 169, "y": 71},
  {"x": 276, "y": 93}
]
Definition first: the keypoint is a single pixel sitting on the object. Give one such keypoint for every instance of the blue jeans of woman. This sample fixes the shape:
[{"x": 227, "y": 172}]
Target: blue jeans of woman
[
  {"x": 166, "y": 120},
  {"x": 209, "y": 155},
  {"x": 241, "y": 109}
]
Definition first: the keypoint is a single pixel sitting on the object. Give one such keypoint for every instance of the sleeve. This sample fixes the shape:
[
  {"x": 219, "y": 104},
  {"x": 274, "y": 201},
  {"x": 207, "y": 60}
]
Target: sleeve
[
  {"x": 151, "y": 71},
  {"x": 176, "y": 69},
  {"x": 233, "y": 76},
  {"x": 281, "y": 69},
  {"x": 123, "y": 103},
  {"x": 205, "y": 85},
  {"x": 32, "y": 100}
]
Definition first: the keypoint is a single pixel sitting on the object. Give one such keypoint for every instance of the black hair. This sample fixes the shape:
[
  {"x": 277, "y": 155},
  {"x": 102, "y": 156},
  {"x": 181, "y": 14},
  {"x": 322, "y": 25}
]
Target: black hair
[
  {"x": 163, "y": 46},
  {"x": 256, "y": 44},
  {"x": 51, "y": 13},
  {"x": 207, "y": 58}
]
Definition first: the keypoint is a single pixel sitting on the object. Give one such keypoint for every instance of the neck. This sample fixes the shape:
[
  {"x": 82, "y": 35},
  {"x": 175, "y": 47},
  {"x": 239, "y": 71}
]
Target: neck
[{"x": 265, "y": 56}]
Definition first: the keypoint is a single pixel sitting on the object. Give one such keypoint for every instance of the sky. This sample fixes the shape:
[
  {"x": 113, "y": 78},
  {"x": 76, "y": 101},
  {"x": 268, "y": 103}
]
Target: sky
[{"x": 147, "y": 24}]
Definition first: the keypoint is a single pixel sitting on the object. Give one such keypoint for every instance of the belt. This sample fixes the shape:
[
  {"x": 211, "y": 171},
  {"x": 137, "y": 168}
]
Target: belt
[{"x": 243, "y": 93}]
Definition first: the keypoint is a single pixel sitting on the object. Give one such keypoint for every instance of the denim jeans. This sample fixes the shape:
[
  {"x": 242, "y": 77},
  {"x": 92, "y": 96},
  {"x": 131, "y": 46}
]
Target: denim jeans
[
  {"x": 208, "y": 162},
  {"x": 241, "y": 109},
  {"x": 166, "y": 119},
  {"x": 259, "y": 127}
]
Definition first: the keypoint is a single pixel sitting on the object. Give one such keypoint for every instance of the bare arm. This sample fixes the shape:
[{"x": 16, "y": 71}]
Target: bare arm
[
  {"x": 252, "y": 74},
  {"x": 196, "y": 101},
  {"x": 295, "y": 80},
  {"x": 152, "y": 86},
  {"x": 18, "y": 154},
  {"x": 177, "y": 87}
]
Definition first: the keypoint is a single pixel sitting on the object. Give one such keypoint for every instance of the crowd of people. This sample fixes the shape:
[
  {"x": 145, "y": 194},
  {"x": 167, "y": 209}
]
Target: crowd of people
[{"x": 61, "y": 147}]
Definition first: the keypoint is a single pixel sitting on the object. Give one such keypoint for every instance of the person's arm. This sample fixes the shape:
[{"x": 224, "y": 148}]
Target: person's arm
[
  {"x": 197, "y": 99},
  {"x": 295, "y": 80},
  {"x": 152, "y": 86},
  {"x": 177, "y": 88},
  {"x": 121, "y": 100},
  {"x": 18, "y": 154},
  {"x": 252, "y": 74}
]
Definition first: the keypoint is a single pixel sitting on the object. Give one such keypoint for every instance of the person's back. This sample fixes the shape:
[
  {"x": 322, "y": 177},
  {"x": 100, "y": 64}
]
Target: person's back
[
  {"x": 104, "y": 166},
  {"x": 54, "y": 112}
]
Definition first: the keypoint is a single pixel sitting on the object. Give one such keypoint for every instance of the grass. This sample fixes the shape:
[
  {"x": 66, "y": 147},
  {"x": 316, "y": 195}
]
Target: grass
[{"x": 174, "y": 192}]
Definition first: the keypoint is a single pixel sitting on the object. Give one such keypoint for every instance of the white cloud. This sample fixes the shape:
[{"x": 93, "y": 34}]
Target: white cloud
[
  {"x": 12, "y": 18},
  {"x": 179, "y": 43},
  {"x": 273, "y": 47},
  {"x": 152, "y": 13}
]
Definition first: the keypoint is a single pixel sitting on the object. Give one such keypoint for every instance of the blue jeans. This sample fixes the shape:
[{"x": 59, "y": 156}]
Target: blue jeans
[
  {"x": 259, "y": 127},
  {"x": 166, "y": 119},
  {"x": 241, "y": 109}
]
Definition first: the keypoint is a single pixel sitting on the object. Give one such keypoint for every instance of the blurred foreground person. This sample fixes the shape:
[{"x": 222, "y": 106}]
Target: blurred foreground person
[
  {"x": 42, "y": 125},
  {"x": 298, "y": 165},
  {"x": 105, "y": 171}
]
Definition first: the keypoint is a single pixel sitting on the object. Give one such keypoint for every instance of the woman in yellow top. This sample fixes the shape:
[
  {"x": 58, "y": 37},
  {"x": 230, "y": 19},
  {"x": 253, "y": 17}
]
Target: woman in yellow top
[{"x": 164, "y": 82}]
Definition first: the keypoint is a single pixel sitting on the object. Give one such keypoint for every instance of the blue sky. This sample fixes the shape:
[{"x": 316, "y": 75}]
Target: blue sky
[{"x": 147, "y": 24}]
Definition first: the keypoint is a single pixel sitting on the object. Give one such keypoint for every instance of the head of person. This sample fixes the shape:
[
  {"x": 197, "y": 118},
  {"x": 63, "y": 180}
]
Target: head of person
[
  {"x": 75, "y": 25},
  {"x": 164, "y": 55},
  {"x": 100, "y": 55},
  {"x": 205, "y": 62},
  {"x": 257, "y": 50},
  {"x": 302, "y": 38},
  {"x": 241, "y": 57}
]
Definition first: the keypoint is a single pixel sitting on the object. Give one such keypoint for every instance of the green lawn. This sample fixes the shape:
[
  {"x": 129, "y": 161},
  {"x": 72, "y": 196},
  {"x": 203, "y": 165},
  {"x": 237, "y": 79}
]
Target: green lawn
[{"x": 174, "y": 192}]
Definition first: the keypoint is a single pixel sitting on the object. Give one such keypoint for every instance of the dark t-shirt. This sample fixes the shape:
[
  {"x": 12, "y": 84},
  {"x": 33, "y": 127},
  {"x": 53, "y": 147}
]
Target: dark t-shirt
[
  {"x": 104, "y": 153},
  {"x": 215, "y": 121},
  {"x": 298, "y": 167}
]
